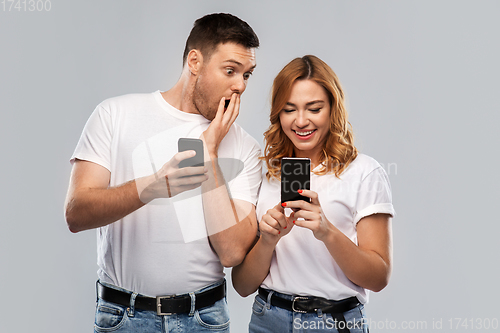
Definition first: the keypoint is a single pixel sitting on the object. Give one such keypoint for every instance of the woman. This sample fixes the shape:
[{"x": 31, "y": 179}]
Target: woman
[{"x": 314, "y": 264}]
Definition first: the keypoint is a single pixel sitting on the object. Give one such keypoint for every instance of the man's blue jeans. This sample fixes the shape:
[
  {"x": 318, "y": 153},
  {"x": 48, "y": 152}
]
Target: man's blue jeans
[
  {"x": 268, "y": 318},
  {"x": 111, "y": 317}
]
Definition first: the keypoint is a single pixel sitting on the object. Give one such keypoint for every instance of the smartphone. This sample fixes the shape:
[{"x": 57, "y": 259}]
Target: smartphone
[
  {"x": 295, "y": 175},
  {"x": 191, "y": 144}
]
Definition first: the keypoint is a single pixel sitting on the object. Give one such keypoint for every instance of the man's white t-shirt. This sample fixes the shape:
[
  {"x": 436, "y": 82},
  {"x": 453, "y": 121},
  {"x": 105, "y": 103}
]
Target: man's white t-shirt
[
  {"x": 161, "y": 248},
  {"x": 301, "y": 264}
]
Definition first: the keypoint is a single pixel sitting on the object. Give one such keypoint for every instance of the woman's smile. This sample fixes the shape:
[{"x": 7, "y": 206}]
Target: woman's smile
[{"x": 304, "y": 135}]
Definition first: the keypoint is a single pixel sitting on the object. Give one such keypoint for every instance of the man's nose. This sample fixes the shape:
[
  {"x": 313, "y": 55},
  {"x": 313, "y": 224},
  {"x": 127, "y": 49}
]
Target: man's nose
[{"x": 239, "y": 85}]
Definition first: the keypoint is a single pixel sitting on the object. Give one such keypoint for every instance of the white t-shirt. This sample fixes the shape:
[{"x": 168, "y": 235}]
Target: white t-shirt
[
  {"x": 161, "y": 248},
  {"x": 301, "y": 264}
]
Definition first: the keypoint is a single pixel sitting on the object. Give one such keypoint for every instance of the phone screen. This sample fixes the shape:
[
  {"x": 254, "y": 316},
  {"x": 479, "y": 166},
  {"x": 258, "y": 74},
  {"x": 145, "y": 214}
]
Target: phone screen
[
  {"x": 191, "y": 144},
  {"x": 295, "y": 175}
]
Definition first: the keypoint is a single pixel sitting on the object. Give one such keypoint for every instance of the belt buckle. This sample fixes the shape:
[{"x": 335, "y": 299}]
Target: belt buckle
[
  {"x": 158, "y": 305},
  {"x": 293, "y": 304}
]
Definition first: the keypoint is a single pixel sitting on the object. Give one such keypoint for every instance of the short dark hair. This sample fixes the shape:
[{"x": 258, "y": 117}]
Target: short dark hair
[{"x": 213, "y": 29}]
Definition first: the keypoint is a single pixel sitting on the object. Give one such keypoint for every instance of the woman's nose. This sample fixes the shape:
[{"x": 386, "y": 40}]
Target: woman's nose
[{"x": 301, "y": 121}]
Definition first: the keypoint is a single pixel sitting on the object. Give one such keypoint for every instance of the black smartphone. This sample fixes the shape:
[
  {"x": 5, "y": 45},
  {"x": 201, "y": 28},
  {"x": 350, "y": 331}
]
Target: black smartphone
[
  {"x": 295, "y": 175},
  {"x": 191, "y": 144}
]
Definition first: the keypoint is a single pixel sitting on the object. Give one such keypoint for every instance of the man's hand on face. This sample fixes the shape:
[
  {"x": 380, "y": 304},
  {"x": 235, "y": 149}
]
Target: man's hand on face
[{"x": 220, "y": 125}]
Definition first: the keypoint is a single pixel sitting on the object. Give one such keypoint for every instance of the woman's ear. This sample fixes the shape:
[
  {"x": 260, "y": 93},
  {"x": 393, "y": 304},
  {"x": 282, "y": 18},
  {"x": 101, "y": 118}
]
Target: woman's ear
[{"x": 194, "y": 61}]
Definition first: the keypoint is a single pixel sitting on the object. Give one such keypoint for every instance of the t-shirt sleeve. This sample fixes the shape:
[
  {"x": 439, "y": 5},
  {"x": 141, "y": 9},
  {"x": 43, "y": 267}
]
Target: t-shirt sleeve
[
  {"x": 245, "y": 186},
  {"x": 374, "y": 195},
  {"x": 95, "y": 142}
]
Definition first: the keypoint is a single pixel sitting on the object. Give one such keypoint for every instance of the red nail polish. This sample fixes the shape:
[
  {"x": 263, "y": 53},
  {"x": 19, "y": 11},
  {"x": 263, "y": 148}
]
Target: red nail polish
[
  {"x": 279, "y": 232},
  {"x": 283, "y": 204},
  {"x": 300, "y": 191},
  {"x": 285, "y": 227},
  {"x": 293, "y": 222}
]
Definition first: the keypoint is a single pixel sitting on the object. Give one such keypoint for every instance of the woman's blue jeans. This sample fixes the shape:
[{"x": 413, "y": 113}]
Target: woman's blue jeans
[{"x": 268, "y": 318}]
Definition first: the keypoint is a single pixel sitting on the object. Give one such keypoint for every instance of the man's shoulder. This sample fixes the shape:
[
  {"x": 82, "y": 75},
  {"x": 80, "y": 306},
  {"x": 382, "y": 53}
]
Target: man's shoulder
[
  {"x": 127, "y": 100},
  {"x": 243, "y": 135}
]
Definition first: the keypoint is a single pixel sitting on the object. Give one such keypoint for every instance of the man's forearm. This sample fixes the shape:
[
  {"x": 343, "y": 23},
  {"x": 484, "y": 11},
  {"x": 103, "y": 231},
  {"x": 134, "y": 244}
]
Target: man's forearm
[
  {"x": 90, "y": 203},
  {"x": 230, "y": 226},
  {"x": 90, "y": 208}
]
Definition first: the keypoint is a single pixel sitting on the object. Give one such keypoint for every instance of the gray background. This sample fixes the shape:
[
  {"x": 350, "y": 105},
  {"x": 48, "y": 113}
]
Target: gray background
[{"x": 422, "y": 79}]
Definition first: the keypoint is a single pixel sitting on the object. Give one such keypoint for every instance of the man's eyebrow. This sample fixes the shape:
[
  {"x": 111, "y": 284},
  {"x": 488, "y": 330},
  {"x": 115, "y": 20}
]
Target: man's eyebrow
[{"x": 236, "y": 62}]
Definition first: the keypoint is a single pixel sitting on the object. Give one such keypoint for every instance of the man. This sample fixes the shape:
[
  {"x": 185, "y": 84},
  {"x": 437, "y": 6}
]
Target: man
[{"x": 165, "y": 232}]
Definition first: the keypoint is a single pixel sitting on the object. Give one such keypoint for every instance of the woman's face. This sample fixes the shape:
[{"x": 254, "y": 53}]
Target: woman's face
[{"x": 305, "y": 119}]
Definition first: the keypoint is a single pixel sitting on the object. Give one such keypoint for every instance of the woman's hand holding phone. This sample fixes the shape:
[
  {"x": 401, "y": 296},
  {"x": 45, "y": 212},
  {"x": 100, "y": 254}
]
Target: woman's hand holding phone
[
  {"x": 274, "y": 225},
  {"x": 311, "y": 213}
]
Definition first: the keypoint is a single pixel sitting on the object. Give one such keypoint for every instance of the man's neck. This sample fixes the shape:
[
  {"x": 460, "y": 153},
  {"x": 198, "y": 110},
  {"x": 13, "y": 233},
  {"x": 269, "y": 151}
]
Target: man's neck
[{"x": 180, "y": 96}]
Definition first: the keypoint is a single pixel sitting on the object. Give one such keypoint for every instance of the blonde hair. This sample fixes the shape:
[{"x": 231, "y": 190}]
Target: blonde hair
[{"x": 339, "y": 150}]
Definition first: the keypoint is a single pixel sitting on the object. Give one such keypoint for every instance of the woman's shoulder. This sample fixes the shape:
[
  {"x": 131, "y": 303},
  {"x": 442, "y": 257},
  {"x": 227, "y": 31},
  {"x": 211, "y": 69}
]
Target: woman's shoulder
[
  {"x": 366, "y": 161},
  {"x": 270, "y": 181},
  {"x": 362, "y": 165}
]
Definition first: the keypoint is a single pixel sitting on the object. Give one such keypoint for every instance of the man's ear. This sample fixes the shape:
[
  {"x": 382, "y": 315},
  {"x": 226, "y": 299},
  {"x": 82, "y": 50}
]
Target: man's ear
[{"x": 194, "y": 61}]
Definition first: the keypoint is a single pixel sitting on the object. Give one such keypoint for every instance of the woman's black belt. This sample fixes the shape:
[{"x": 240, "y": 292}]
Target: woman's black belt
[{"x": 309, "y": 304}]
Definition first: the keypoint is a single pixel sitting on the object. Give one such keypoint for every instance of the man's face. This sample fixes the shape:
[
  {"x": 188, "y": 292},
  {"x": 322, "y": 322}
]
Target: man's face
[{"x": 226, "y": 72}]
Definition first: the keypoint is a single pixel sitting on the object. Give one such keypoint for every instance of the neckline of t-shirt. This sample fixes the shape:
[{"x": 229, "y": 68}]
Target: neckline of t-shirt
[
  {"x": 318, "y": 166},
  {"x": 176, "y": 112}
]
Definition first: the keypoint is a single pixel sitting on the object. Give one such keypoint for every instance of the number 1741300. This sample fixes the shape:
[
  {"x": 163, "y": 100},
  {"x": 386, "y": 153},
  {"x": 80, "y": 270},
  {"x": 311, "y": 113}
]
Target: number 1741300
[
  {"x": 473, "y": 323},
  {"x": 26, "y": 5}
]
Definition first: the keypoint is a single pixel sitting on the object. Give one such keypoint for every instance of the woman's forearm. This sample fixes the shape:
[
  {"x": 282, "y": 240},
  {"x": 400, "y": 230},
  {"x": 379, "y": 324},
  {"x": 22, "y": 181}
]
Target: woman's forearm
[{"x": 248, "y": 276}]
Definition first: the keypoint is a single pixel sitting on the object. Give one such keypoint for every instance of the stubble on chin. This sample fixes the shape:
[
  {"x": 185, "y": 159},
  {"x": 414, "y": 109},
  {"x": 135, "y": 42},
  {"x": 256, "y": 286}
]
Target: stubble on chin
[
  {"x": 204, "y": 110},
  {"x": 200, "y": 104}
]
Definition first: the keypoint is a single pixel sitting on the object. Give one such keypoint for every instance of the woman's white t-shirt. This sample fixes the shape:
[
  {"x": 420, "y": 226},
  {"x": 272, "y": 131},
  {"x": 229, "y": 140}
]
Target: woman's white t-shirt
[{"x": 301, "y": 264}]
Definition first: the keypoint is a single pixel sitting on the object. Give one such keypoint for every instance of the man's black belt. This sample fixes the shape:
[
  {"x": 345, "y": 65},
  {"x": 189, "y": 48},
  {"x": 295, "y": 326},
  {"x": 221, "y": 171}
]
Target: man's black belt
[
  {"x": 308, "y": 304},
  {"x": 163, "y": 305}
]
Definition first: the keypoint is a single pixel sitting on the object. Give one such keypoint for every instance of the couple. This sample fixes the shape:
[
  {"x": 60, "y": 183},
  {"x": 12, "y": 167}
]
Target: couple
[{"x": 165, "y": 233}]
